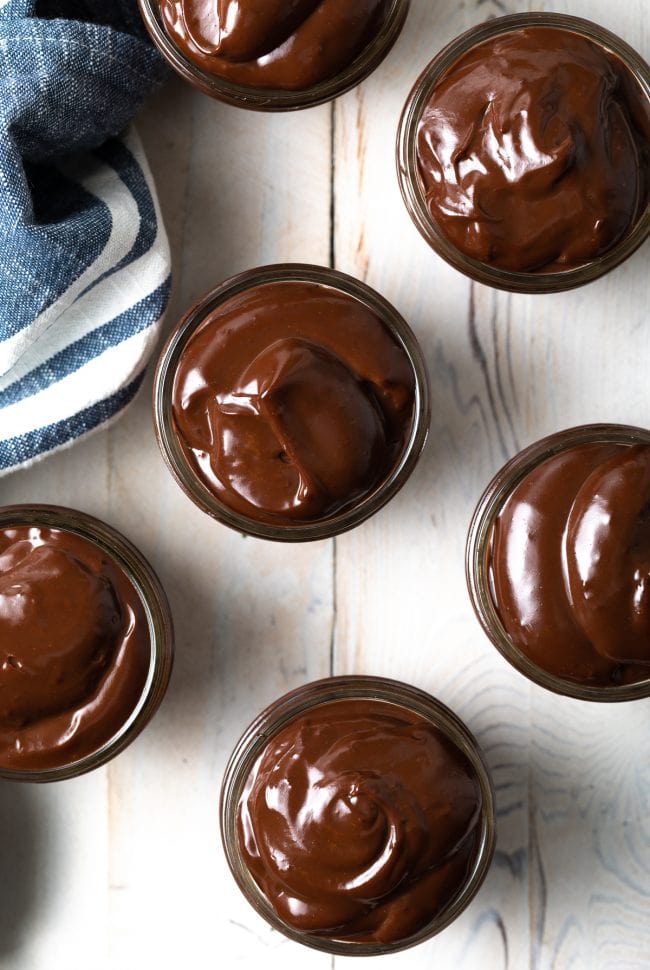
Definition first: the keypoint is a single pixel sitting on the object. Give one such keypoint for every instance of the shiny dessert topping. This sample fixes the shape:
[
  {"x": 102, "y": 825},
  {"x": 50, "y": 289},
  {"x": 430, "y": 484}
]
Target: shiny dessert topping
[
  {"x": 288, "y": 45},
  {"x": 570, "y": 564},
  {"x": 74, "y": 648},
  {"x": 534, "y": 151},
  {"x": 360, "y": 821},
  {"x": 293, "y": 401}
]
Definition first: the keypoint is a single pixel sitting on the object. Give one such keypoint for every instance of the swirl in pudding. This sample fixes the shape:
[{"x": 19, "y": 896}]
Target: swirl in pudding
[{"x": 360, "y": 821}]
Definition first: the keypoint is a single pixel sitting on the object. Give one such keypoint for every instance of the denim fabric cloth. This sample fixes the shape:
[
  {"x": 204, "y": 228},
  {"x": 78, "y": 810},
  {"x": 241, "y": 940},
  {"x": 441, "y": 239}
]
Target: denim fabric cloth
[{"x": 84, "y": 260}]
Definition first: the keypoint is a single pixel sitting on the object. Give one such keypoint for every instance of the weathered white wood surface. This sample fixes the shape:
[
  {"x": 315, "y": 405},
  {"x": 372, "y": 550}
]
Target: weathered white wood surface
[{"x": 123, "y": 869}]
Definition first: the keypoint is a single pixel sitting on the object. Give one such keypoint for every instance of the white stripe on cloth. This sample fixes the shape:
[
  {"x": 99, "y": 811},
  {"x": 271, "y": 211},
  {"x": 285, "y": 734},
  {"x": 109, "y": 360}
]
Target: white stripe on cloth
[
  {"x": 104, "y": 303},
  {"x": 71, "y": 441},
  {"x": 104, "y": 183},
  {"x": 113, "y": 295},
  {"x": 110, "y": 371}
]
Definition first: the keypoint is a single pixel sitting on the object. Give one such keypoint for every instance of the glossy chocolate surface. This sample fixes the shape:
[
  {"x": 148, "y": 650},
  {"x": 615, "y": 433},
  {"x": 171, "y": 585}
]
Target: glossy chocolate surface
[
  {"x": 534, "y": 151},
  {"x": 570, "y": 564},
  {"x": 293, "y": 401},
  {"x": 287, "y": 45},
  {"x": 360, "y": 821},
  {"x": 74, "y": 648}
]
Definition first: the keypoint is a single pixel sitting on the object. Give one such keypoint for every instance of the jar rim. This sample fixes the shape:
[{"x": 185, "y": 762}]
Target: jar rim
[
  {"x": 155, "y": 604},
  {"x": 175, "y": 459},
  {"x": 479, "y": 535},
  {"x": 275, "y": 99},
  {"x": 410, "y": 182},
  {"x": 330, "y": 690}
]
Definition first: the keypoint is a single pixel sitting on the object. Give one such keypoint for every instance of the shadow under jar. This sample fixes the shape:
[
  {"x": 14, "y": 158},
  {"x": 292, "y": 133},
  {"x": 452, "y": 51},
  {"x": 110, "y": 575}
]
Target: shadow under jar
[
  {"x": 291, "y": 402},
  {"x": 357, "y": 815},
  {"x": 277, "y": 55},
  {"x": 524, "y": 152},
  {"x": 86, "y": 643},
  {"x": 558, "y": 562}
]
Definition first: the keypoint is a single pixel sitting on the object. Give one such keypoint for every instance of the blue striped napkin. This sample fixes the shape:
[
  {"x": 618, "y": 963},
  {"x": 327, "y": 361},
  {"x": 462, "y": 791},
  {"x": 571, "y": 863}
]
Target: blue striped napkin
[{"x": 84, "y": 260}]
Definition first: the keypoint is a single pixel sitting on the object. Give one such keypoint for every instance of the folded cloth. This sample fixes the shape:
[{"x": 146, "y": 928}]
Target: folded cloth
[{"x": 84, "y": 260}]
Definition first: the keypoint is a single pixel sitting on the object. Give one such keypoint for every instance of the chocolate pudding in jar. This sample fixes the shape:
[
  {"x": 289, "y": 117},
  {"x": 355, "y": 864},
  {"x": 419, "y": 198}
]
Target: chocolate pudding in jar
[
  {"x": 86, "y": 643},
  {"x": 558, "y": 562},
  {"x": 291, "y": 402},
  {"x": 357, "y": 815},
  {"x": 524, "y": 152},
  {"x": 276, "y": 55}
]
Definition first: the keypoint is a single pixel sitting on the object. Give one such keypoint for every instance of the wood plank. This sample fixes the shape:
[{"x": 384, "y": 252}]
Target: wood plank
[
  {"x": 504, "y": 370},
  {"x": 253, "y": 619}
]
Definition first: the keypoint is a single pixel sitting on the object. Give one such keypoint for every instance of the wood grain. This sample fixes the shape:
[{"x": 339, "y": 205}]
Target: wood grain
[
  {"x": 569, "y": 887},
  {"x": 253, "y": 619}
]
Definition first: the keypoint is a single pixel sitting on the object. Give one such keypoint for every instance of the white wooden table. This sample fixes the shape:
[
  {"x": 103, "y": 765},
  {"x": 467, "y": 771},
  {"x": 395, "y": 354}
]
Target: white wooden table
[{"x": 123, "y": 869}]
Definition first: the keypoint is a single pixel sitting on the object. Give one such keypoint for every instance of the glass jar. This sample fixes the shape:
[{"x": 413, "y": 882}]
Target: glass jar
[
  {"x": 275, "y": 99},
  {"x": 125, "y": 559},
  {"x": 413, "y": 189},
  {"x": 168, "y": 437},
  {"x": 479, "y": 557},
  {"x": 307, "y": 700}
]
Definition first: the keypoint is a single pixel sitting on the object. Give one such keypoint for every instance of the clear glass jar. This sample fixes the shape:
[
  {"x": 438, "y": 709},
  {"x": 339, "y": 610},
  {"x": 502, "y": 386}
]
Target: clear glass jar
[
  {"x": 478, "y": 556},
  {"x": 273, "y": 99},
  {"x": 308, "y": 698},
  {"x": 410, "y": 180},
  {"x": 146, "y": 584},
  {"x": 173, "y": 453}
]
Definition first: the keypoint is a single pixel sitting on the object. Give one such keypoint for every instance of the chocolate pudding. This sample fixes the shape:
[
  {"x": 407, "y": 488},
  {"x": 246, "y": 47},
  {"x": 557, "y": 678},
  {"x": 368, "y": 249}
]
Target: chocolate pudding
[
  {"x": 534, "y": 151},
  {"x": 357, "y": 815},
  {"x": 569, "y": 564},
  {"x": 360, "y": 821},
  {"x": 524, "y": 152},
  {"x": 288, "y": 45},
  {"x": 296, "y": 403},
  {"x": 75, "y": 645}
]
